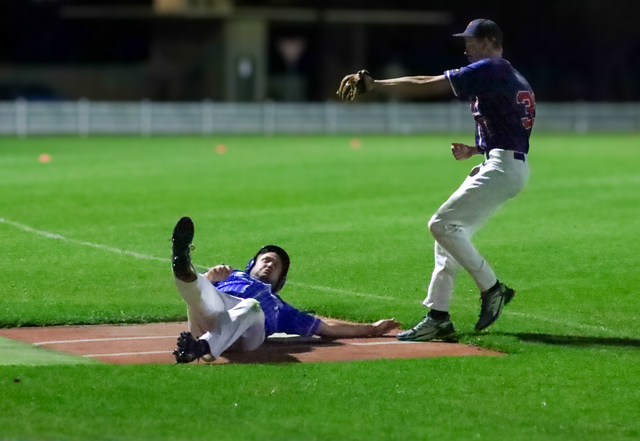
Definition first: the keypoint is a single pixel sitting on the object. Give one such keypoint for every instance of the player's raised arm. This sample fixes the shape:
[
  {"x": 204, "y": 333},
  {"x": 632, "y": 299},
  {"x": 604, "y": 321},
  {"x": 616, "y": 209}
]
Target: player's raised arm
[
  {"x": 420, "y": 80},
  {"x": 418, "y": 86},
  {"x": 355, "y": 85}
]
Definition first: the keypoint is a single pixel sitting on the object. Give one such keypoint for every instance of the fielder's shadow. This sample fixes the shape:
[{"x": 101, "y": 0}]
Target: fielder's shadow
[
  {"x": 575, "y": 340},
  {"x": 276, "y": 350}
]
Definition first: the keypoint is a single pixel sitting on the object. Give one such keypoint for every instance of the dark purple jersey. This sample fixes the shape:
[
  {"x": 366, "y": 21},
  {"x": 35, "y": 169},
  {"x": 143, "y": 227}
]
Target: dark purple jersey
[{"x": 502, "y": 103}]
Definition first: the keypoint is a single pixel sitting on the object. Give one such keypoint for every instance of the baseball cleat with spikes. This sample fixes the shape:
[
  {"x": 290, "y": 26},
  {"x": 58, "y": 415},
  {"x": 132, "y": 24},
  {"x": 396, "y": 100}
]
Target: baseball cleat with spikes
[
  {"x": 429, "y": 329},
  {"x": 492, "y": 302},
  {"x": 181, "y": 249},
  {"x": 190, "y": 349}
]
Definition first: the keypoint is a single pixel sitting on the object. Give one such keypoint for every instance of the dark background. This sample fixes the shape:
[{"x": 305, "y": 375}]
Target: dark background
[{"x": 568, "y": 50}]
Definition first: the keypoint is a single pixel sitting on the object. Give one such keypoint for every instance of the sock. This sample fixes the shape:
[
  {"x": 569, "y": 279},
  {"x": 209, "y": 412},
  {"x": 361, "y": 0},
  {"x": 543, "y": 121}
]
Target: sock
[
  {"x": 439, "y": 315},
  {"x": 494, "y": 287}
]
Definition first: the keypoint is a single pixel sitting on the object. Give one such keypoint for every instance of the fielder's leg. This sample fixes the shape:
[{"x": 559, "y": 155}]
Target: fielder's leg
[
  {"x": 479, "y": 196},
  {"x": 497, "y": 180},
  {"x": 441, "y": 285},
  {"x": 436, "y": 325}
]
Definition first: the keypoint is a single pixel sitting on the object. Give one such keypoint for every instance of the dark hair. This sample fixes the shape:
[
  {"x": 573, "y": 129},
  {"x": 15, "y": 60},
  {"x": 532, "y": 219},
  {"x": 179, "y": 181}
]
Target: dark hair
[{"x": 284, "y": 257}]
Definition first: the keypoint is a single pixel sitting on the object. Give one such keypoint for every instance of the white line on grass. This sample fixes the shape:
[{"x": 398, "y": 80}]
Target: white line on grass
[
  {"x": 343, "y": 291},
  {"x": 56, "y": 236},
  {"x": 133, "y": 254}
]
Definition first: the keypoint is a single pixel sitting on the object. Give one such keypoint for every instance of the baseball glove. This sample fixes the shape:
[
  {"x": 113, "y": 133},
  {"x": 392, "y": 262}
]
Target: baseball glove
[{"x": 355, "y": 85}]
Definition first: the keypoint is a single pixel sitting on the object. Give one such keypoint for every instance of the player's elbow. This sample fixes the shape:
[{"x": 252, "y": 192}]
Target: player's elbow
[{"x": 324, "y": 330}]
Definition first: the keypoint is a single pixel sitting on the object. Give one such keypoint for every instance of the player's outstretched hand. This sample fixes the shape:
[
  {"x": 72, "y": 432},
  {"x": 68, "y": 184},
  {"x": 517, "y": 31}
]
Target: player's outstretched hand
[
  {"x": 385, "y": 326},
  {"x": 218, "y": 273},
  {"x": 462, "y": 151}
]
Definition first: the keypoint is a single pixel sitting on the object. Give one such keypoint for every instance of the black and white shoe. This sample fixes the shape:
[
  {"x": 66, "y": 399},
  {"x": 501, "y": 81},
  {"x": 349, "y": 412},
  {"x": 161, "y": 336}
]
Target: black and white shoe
[
  {"x": 492, "y": 302},
  {"x": 430, "y": 329}
]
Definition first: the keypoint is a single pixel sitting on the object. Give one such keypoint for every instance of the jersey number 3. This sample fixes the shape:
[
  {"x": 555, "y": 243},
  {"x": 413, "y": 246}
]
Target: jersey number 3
[{"x": 528, "y": 99}]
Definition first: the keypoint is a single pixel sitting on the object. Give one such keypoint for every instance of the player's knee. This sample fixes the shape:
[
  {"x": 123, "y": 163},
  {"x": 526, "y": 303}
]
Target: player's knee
[
  {"x": 441, "y": 227},
  {"x": 436, "y": 226}
]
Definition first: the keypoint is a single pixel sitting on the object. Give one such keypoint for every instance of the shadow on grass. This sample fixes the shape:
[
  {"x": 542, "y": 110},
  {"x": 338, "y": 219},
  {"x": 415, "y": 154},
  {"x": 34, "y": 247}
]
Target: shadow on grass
[{"x": 575, "y": 340}]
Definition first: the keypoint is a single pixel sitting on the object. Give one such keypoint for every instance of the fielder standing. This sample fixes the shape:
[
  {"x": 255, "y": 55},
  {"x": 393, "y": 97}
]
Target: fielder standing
[{"x": 503, "y": 105}]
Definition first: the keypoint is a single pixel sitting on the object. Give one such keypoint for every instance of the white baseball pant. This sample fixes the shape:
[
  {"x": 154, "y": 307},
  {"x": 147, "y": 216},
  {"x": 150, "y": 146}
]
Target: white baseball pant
[
  {"x": 490, "y": 184},
  {"x": 221, "y": 319}
]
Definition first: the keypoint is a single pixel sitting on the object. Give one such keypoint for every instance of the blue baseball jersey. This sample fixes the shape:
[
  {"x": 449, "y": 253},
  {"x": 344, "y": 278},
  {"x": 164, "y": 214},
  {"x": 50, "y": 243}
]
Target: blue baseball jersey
[
  {"x": 279, "y": 316},
  {"x": 502, "y": 103}
]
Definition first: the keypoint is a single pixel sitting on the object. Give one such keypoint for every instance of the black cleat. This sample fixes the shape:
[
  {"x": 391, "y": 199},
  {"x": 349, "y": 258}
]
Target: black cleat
[
  {"x": 492, "y": 302},
  {"x": 190, "y": 349},
  {"x": 180, "y": 252}
]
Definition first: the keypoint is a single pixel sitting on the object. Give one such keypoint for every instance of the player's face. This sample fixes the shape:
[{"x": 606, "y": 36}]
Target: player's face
[
  {"x": 268, "y": 268},
  {"x": 476, "y": 48}
]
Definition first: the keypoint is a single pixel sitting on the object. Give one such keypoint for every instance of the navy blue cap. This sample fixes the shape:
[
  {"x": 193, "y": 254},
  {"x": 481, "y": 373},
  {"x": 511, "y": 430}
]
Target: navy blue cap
[{"x": 482, "y": 28}]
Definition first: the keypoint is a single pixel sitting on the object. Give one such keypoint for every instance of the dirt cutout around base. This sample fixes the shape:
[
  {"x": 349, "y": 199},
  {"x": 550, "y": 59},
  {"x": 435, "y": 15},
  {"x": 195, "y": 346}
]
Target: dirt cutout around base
[{"x": 155, "y": 342}]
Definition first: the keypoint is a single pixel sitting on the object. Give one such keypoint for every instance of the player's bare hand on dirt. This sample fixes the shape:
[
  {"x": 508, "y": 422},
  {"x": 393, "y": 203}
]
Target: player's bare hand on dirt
[
  {"x": 384, "y": 326},
  {"x": 463, "y": 151},
  {"x": 218, "y": 273},
  {"x": 355, "y": 85}
]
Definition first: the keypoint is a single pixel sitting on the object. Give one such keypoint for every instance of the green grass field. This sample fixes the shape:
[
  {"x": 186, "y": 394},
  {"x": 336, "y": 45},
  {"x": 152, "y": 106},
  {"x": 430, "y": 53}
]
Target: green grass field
[{"x": 86, "y": 239}]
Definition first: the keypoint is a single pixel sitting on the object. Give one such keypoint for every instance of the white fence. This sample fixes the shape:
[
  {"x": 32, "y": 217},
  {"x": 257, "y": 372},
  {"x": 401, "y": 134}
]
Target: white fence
[{"x": 84, "y": 118}]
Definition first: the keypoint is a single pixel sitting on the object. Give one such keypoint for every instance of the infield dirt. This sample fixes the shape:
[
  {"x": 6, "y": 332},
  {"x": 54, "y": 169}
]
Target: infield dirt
[{"x": 154, "y": 343}]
